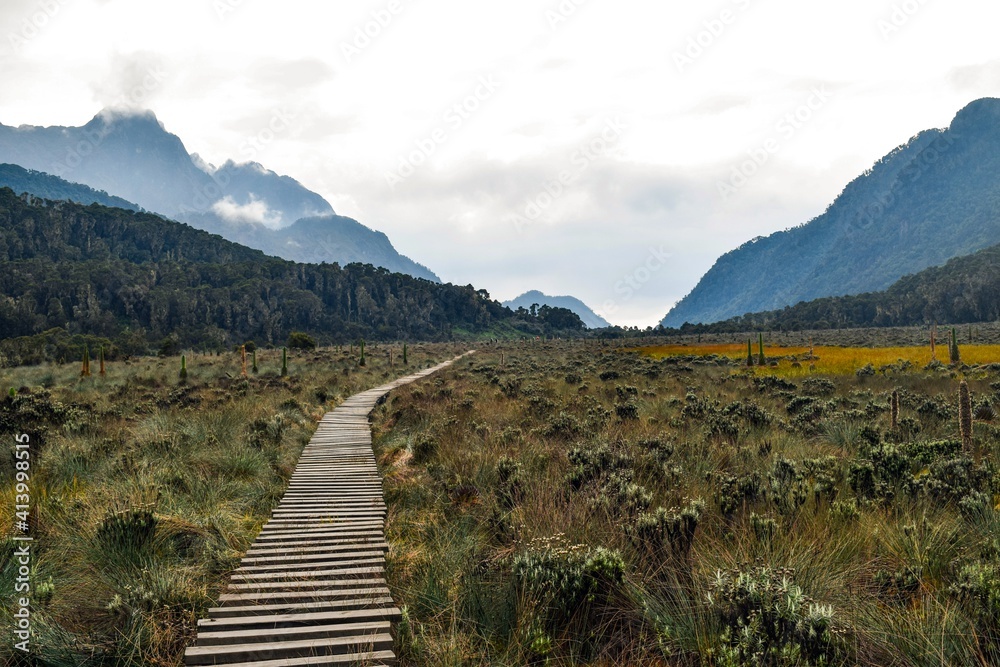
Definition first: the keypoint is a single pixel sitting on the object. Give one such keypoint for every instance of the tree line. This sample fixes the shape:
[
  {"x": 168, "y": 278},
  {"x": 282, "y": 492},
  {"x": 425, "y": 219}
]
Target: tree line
[{"x": 133, "y": 277}]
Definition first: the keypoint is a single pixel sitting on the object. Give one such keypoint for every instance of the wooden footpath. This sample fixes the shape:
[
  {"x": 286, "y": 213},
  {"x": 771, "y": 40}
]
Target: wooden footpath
[{"x": 311, "y": 589}]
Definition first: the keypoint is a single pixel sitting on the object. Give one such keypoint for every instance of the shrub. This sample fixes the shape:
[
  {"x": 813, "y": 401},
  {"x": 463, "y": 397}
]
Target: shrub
[
  {"x": 510, "y": 482},
  {"x": 595, "y": 463},
  {"x": 620, "y": 496},
  {"x": 568, "y": 581},
  {"x": 865, "y": 371},
  {"x": 978, "y": 587},
  {"x": 818, "y": 387},
  {"x": 627, "y": 411},
  {"x": 769, "y": 621},
  {"x": 170, "y": 346},
  {"x": 667, "y": 533},
  {"x": 130, "y": 529},
  {"x": 563, "y": 425},
  {"x": 735, "y": 492},
  {"x": 263, "y": 433},
  {"x": 301, "y": 341}
]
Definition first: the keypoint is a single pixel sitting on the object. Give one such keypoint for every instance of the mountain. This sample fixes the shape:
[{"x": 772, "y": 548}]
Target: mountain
[
  {"x": 315, "y": 240},
  {"x": 590, "y": 319},
  {"x": 46, "y": 186},
  {"x": 965, "y": 290},
  {"x": 131, "y": 155},
  {"x": 932, "y": 199},
  {"x": 126, "y": 276}
]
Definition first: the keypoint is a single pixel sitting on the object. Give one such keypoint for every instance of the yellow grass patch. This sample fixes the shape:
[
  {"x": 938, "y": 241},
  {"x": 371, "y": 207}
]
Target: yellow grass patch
[{"x": 795, "y": 361}]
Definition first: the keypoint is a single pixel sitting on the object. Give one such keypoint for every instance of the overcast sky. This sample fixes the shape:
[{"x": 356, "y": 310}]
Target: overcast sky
[{"x": 440, "y": 122}]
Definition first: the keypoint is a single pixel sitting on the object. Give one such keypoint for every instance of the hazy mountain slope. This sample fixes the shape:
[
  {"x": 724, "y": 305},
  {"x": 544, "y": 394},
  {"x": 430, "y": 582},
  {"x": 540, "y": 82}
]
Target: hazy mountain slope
[
  {"x": 591, "y": 319},
  {"x": 133, "y": 156},
  {"x": 935, "y": 198},
  {"x": 966, "y": 289},
  {"x": 330, "y": 238},
  {"x": 46, "y": 186}
]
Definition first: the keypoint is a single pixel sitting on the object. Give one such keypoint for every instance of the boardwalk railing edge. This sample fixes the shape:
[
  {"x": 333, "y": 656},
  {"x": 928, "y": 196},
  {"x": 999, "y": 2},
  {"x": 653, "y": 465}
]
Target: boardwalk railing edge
[{"x": 311, "y": 589}]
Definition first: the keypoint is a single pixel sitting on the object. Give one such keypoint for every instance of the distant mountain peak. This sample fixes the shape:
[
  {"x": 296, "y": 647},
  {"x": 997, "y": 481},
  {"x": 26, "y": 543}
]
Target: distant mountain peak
[
  {"x": 128, "y": 116},
  {"x": 591, "y": 319},
  {"x": 130, "y": 153},
  {"x": 977, "y": 114}
]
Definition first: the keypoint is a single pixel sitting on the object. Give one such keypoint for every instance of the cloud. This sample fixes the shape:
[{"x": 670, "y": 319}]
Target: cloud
[
  {"x": 976, "y": 77},
  {"x": 132, "y": 81},
  {"x": 254, "y": 212},
  {"x": 283, "y": 77}
]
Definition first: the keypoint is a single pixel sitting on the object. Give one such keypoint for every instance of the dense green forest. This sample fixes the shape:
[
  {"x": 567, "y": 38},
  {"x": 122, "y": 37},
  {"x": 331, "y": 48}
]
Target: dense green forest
[
  {"x": 132, "y": 279},
  {"x": 966, "y": 289}
]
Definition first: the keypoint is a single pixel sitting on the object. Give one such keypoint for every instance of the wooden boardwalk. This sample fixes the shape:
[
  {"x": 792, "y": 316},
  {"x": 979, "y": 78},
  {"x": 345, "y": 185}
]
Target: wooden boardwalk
[{"x": 311, "y": 589}]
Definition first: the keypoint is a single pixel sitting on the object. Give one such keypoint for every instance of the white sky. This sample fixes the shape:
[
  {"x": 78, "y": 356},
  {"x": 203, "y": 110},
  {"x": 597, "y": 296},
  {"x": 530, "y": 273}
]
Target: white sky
[{"x": 216, "y": 72}]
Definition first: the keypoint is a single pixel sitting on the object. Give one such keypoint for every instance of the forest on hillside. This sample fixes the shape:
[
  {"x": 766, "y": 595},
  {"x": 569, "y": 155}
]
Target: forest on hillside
[
  {"x": 134, "y": 279},
  {"x": 965, "y": 290}
]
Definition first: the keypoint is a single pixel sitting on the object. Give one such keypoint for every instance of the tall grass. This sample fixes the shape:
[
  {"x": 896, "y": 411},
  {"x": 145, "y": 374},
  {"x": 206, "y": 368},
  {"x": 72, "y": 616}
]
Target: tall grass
[
  {"x": 148, "y": 490},
  {"x": 861, "y": 543}
]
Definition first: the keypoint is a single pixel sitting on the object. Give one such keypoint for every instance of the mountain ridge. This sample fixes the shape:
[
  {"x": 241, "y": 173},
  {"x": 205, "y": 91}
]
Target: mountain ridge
[
  {"x": 590, "y": 319},
  {"x": 964, "y": 290},
  {"x": 931, "y": 199},
  {"x": 133, "y": 156}
]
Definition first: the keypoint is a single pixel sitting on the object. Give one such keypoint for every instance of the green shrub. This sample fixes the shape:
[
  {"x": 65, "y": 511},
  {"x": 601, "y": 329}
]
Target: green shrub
[
  {"x": 510, "y": 482},
  {"x": 595, "y": 463},
  {"x": 568, "y": 581},
  {"x": 667, "y": 533},
  {"x": 301, "y": 341},
  {"x": 767, "y": 620},
  {"x": 978, "y": 587},
  {"x": 627, "y": 411},
  {"x": 130, "y": 529}
]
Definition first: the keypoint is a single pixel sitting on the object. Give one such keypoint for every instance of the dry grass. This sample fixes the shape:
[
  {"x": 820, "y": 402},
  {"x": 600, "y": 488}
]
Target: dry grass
[{"x": 477, "y": 577}]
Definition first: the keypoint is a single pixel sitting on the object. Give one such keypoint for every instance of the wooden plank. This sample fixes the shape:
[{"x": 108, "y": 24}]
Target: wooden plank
[
  {"x": 302, "y": 608},
  {"x": 268, "y": 622},
  {"x": 288, "y": 597},
  {"x": 370, "y": 566},
  {"x": 278, "y": 650},
  {"x": 291, "y": 634},
  {"x": 374, "y": 659}
]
